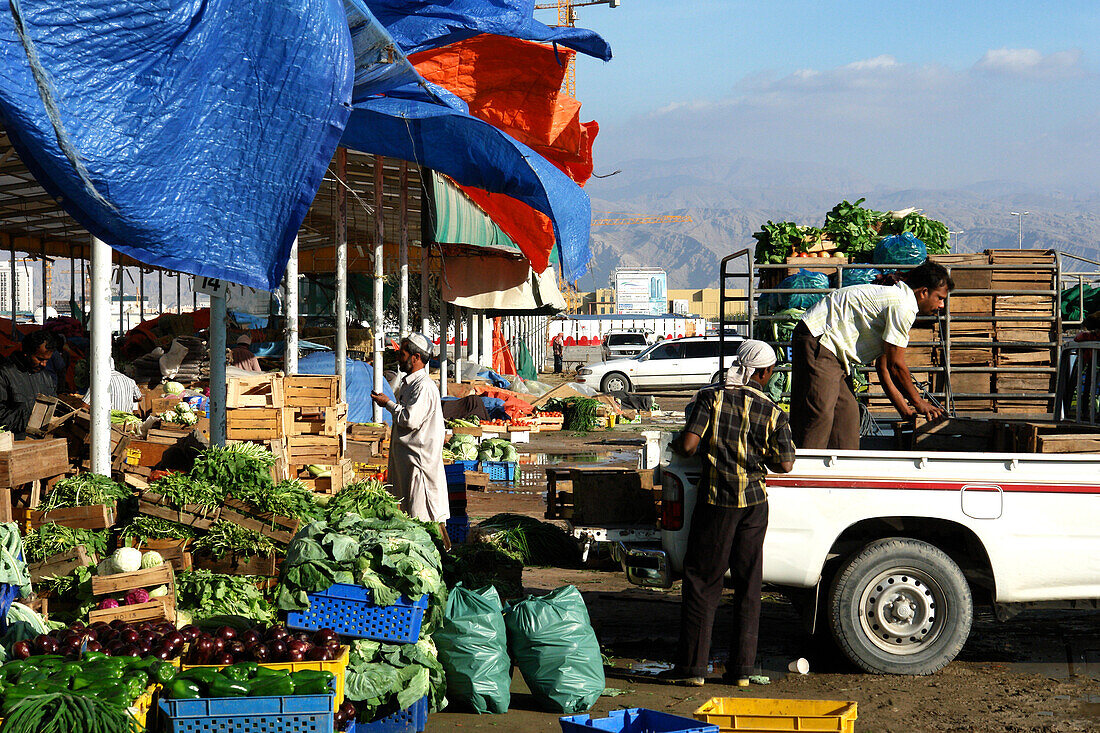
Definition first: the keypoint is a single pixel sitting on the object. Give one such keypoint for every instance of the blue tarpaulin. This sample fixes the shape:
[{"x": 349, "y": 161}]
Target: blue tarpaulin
[
  {"x": 418, "y": 25},
  {"x": 475, "y": 153},
  {"x": 204, "y": 126},
  {"x": 360, "y": 382}
]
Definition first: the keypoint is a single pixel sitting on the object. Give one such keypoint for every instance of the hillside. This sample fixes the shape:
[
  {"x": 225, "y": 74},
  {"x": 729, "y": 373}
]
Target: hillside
[{"x": 729, "y": 200}]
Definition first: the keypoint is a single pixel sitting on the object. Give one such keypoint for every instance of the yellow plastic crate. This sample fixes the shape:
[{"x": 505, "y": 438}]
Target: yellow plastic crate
[
  {"x": 763, "y": 715},
  {"x": 338, "y": 667}
]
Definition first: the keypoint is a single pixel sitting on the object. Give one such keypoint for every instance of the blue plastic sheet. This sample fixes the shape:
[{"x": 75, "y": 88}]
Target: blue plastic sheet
[
  {"x": 418, "y": 25},
  {"x": 475, "y": 153},
  {"x": 360, "y": 383},
  {"x": 859, "y": 276},
  {"x": 204, "y": 126},
  {"x": 900, "y": 249}
]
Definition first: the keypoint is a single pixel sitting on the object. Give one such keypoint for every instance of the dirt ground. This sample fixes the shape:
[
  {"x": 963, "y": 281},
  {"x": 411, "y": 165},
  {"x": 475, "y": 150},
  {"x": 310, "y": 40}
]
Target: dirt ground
[{"x": 1039, "y": 672}]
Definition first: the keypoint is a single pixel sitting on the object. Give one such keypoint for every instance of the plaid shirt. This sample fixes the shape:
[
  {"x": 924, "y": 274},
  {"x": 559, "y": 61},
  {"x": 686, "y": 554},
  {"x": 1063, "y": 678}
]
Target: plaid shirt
[{"x": 739, "y": 428}]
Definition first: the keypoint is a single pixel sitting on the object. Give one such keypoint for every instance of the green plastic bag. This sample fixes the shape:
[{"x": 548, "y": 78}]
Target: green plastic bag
[
  {"x": 473, "y": 648},
  {"x": 552, "y": 642}
]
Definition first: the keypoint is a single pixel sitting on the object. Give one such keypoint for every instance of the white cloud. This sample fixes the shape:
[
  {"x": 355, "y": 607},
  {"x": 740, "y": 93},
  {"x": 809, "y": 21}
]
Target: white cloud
[{"x": 1030, "y": 63}]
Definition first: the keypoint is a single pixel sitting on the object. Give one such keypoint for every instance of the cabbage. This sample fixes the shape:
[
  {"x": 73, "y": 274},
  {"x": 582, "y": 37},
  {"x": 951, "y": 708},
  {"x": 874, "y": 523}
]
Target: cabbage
[
  {"x": 127, "y": 559},
  {"x": 108, "y": 603},
  {"x": 151, "y": 559},
  {"x": 135, "y": 597},
  {"x": 107, "y": 566},
  {"x": 172, "y": 388},
  {"x": 159, "y": 592}
]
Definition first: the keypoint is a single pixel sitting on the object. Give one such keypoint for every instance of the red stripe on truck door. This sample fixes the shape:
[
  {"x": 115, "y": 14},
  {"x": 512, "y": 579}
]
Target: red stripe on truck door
[{"x": 866, "y": 483}]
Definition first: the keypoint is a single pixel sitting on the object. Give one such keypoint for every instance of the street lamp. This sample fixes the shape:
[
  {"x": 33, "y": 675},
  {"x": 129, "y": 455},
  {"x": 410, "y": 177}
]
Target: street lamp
[
  {"x": 955, "y": 244},
  {"x": 1021, "y": 236}
]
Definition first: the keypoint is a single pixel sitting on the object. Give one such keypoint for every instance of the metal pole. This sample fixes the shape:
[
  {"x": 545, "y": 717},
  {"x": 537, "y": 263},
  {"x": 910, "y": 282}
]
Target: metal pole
[
  {"x": 341, "y": 225},
  {"x": 217, "y": 370},
  {"x": 487, "y": 340},
  {"x": 160, "y": 292},
  {"x": 121, "y": 314},
  {"x": 425, "y": 288},
  {"x": 179, "y": 292},
  {"x": 443, "y": 351},
  {"x": 100, "y": 358},
  {"x": 458, "y": 345},
  {"x": 141, "y": 295},
  {"x": 290, "y": 307},
  {"x": 13, "y": 289},
  {"x": 194, "y": 296},
  {"x": 379, "y": 281},
  {"x": 84, "y": 292},
  {"x": 72, "y": 280},
  {"x": 403, "y": 252},
  {"x": 45, "y": 284},
  {"x": 474, "y": 349}
]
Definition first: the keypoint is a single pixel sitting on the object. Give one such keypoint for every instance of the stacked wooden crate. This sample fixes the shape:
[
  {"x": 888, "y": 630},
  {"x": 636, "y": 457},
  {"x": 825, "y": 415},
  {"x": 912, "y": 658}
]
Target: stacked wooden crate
[
  {"x": 315, "y": 425},
  {"x": 1027, "y": 318},
  {"x": 969, "y": 334}
]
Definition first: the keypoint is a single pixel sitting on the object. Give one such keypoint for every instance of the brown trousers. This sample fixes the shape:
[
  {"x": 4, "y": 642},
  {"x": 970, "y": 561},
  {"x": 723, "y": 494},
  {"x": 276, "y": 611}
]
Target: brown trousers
[
  {"x": 824, "y": 410},
  {"x": 722, "y": 539}
]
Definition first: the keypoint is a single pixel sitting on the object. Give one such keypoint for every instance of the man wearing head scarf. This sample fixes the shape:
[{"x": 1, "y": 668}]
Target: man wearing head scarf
[
  {"x": 416, "y": 474},
  {"x": 740, "y": 434}
]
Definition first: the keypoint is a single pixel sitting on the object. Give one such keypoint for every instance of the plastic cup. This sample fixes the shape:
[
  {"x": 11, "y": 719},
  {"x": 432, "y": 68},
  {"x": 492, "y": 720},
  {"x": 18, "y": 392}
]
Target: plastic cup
[{"x": 799, "y": 666}]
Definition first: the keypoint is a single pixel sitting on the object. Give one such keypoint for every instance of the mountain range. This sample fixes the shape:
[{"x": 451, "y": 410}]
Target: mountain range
[{"x": 730, "y": 199}]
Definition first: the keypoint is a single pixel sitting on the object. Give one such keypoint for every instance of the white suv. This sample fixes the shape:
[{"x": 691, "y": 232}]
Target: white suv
[
  {"x": 624, "y": 344},
  {"x": 686, "y": 363}
]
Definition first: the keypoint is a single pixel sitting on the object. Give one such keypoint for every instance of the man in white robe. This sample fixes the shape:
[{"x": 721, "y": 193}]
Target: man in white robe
[{"x": 416, "y": 474}]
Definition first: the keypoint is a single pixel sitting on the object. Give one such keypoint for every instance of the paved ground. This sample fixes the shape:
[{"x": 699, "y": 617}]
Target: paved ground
[{"x": 1037, "y": 673}]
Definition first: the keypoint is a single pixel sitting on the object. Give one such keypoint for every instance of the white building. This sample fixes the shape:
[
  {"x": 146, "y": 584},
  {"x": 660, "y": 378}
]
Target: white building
[
  {"x": 24, "y": 288},
  {"x": 640, "y": 291}
]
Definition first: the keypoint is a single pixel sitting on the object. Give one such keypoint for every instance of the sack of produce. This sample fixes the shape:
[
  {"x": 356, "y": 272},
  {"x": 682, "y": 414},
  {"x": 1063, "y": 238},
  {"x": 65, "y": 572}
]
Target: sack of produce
[
  {"x": 473, "y": 647},
  {"x": 552, "y": 642},
  {"x": 900, "y": 249},
  {"x": 801, "y": 280},
  {"x": 859, "y": 277}
]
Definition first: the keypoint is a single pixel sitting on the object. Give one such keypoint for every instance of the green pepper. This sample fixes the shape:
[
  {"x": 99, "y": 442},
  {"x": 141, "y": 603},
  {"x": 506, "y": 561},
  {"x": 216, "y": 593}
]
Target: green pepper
[
  {"x": 200, "y": 674},
  {"x": 237, "y": 672},
  {"x": 94, "y": 656},
  {"x": 135, "y": 685},
  {"x": 31, "y": 675},
  {"x": 11, "y": 669},
  {"x": 280, "y": 686},
  {"x": 183, "y": 689},
  {"x": 49, "y": 660},
  {"x": 262, "y": 672},
  {"x": 310, "y": 682},
  {"x": 164, "y": 673},
  {"x": 72, "y": 668},
  {"x": 222, "y": 686},
  {"x": 85, "y": 679},
  {"x": 14, "y": 695}
]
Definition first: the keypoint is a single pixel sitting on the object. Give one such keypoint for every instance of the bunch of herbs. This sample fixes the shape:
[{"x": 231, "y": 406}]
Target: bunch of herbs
[
  {"x": 84, "y": 489},
  {"x": 367, "y": 498},
  {"x": 207, "y": 595},
  {"x": 53, "y": 539},
  {"x": 288, "y": 498},
  {"x": 232, "y": 540},
  {"x": 180, "y": 490},
  {"x": 142, "y": 528}
]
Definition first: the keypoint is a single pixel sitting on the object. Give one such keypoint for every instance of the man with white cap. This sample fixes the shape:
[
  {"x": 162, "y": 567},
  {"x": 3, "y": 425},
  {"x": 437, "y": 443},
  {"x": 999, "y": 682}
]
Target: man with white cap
[
  {"x": 740, "y": 434},
  {"x": 416, "y": 473},
  {"x": 242, "y": 357}
]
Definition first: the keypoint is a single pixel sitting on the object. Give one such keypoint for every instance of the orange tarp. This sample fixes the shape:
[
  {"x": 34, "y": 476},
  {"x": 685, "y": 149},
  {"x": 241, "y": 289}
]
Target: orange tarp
[{"x": 515, "y": 86}]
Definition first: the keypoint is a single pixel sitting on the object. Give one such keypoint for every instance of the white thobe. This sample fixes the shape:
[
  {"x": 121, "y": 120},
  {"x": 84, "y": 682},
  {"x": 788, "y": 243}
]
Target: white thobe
[{"x": 416, "y": 474}]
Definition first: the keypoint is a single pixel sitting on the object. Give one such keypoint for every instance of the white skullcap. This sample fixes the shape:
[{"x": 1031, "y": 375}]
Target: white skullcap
[
  {"x": 420, "y": 342},
  {"x": 751, "y": 355}
]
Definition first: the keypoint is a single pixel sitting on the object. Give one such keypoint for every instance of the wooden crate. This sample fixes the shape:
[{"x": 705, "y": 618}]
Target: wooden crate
[
  {"x": 339, "y": 476},
  {"x": 145, "y": 453},
  {"x": 120, "y": 583},
  {"x": 158, "y": 609},
  {"x": 1069, "y": 443},
  {"x": 32, "y": 460},
  {"x": 310, "y": 391},
  {"x": 952, "y": 434},
  {"x": 967, "y": 279},
  {"x": 978, "y": 383},
  {"x": 477, "y": 481},
  {"x": 476, "y": 431},
  {"x": 278, "y": 528},
  {"x": 98, "y": 516},
  {"x": 559, "y": 493},
  {"x": 317, "y": 450},
  {"x": 60, "y": 565},
  {"x": 1022, "y": 355},
  {"x": 154, "y": 505},
  {"x": 548, "y": 424},
  {"x": 826, "y": 265},
  {"x": 254, "y": 423},
  {"x": 367, "y": 431},
  {"x": 619, "y": 496},
  {"x": 264, "y": 565},
  {"x": 328, "y": 421},
  {"x": 174, "y": 552},
  {"x": 263, "y": 390}
]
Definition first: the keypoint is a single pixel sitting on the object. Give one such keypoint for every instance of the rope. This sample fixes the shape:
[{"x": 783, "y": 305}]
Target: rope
[{"x": 45, "y": 91}]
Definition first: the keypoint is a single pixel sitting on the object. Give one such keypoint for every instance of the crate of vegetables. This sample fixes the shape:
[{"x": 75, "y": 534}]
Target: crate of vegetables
[
  {"x": 549, "y": 421},
  {"x": 148, "y": 593},
  {"x": 412, "y": 719},
  {"x": 278, "y": 528},
  {"x": 499, "y": 471},
  {"x": 274, "y": 648},
  {"x": 242, "y": 712},
  {"x": 350, "y": 611}
]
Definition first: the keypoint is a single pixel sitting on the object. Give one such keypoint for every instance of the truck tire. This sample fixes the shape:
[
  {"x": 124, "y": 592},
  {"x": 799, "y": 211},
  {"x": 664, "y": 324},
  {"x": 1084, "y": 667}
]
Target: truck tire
[
  {"x": 900, "y": 606},
  {"x": 615, "y": 382}
]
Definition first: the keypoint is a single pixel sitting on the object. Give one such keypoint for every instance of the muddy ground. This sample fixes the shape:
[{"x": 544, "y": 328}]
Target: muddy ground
[{"x": 1039, "y": 672}]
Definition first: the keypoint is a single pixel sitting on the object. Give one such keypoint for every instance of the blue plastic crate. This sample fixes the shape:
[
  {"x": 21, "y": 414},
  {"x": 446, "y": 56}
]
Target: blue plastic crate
[
  {"x": 411, "y": 720},
  {"x": 458, "y": 529},
  {"x": 290, "y": 714},
  {"x": 456, "y": 472},
  {"x": 634, "y": 720},
  {"x": 500, "y": 471},
  {"x": 349, "y": 611}
]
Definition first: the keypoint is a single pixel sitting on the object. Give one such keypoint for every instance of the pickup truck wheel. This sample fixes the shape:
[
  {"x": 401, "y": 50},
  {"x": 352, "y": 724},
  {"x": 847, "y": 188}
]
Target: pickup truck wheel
[
  {"x": 615, "y": 382},
  {"x": 900, "y": 606}
]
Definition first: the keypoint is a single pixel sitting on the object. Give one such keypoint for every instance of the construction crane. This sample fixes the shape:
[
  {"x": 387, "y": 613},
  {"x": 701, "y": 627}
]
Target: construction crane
[
  {"x": 567, "y": 16},
  {"x": 611, "y": 220}
]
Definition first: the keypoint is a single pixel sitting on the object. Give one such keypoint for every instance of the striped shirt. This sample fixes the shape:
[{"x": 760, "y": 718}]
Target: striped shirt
[
  {"x": 740, "y": 429},
  {"x": 853, "y": 322},
  {"x": 124, "y": 392}
]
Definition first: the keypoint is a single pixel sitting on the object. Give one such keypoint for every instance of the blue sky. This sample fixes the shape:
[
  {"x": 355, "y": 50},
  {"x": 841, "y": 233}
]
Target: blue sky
[{"x": 924, "y": 93}]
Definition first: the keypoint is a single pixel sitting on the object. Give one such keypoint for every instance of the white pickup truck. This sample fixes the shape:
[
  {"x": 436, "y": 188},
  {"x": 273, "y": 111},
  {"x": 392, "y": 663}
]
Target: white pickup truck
[{"x": 895, "y": 548}]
